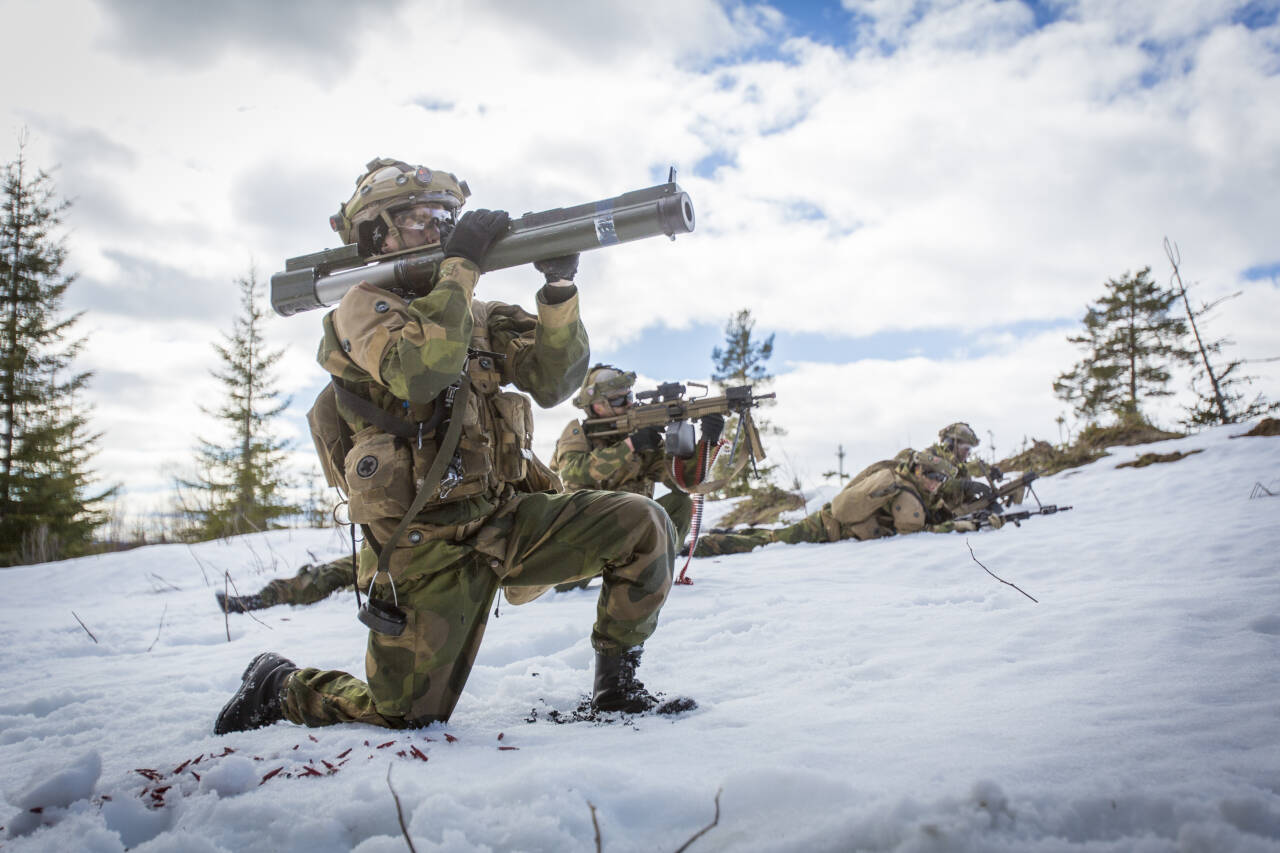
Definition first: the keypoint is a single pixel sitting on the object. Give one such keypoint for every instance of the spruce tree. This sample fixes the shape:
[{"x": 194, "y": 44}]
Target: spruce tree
[
  {"x": 47, "y": 510},
  {"x": 742, "y": 361},
  {"x": 1130, "y": 342},
  {"x": 240, "y": 485}
]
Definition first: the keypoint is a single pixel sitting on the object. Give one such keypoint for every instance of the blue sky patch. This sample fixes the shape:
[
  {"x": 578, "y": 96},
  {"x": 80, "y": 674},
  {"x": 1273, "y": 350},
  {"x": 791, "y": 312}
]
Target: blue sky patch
[
  {"x": 1257, "y": 15},
  {"x": 665, "y": 353},
  {"x": 1263, "y": 272}
]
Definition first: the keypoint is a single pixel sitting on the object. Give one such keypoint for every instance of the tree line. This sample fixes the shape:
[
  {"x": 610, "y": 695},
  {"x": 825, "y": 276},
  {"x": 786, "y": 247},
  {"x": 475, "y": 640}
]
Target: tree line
[{"x": 49, "y": 506}]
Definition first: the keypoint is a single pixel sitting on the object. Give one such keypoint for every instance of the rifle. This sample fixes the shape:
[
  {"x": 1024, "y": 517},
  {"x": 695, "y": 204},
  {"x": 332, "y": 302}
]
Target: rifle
[
  {"x": 982, "y": 509},
  {"x": 994, "y": 498},
  {"x": 321, "y": 278},
  {"x": 672, "y": 410},
  {"x": 983, "y": 516}
]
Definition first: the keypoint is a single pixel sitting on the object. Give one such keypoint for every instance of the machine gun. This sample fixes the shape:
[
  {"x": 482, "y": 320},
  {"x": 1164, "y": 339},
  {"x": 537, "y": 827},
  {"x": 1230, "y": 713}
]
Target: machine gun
[
  {"x": 671, "y": 410},
  {"x": 321, "y": 278},
  {"x": 992, "y": 501}
]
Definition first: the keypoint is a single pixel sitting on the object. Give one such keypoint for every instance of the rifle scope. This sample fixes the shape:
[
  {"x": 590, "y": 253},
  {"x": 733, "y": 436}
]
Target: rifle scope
[{"x": 322, "y": 278}]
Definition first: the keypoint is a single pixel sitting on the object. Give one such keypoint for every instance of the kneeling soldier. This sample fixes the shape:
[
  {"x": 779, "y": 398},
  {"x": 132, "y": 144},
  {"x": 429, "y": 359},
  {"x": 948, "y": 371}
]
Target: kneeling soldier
[{"x": 416, "y": 392}]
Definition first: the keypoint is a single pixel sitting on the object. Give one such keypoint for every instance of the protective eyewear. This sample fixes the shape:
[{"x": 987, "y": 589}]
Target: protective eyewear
[
  {"x": 621, "y": 402},
  {"x": 936, "y": 476},
  {"x": 420, "y": 218}
]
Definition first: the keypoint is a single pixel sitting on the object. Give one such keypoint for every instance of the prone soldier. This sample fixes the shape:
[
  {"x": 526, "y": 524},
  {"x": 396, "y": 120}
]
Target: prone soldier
[
  {"x": 436, "y": 461},
  {"x": 887, "y": 498}
]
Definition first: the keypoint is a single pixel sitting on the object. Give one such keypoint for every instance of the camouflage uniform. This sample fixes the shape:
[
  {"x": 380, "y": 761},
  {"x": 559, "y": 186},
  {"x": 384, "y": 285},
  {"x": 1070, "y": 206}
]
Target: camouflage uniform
[
  {"x": 955, "y": 492},
  {"x": 496, "y": 528},
  {"x": 584, "y": 461},
  {"x": 882, "y": 500},
  {"x": 310, "y": 584}
]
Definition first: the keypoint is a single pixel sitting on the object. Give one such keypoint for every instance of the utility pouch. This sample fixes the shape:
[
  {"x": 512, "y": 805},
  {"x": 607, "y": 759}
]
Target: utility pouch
[
  {"x": 379, "y": 474},
  {"x": 514, "y": 428},
  {"x": 332, "y": 437}
]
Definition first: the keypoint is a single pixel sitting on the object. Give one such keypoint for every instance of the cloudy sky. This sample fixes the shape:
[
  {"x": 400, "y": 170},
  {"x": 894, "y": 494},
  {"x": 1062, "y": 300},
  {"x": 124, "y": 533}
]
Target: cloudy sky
[{"x": 917, "y": 198}]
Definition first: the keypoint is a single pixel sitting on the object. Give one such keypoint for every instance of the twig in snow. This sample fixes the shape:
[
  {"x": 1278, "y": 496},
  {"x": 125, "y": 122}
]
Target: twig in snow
[
  {"x": 248, "y": 613},
  {"x": 158, "y": 627},
  {"x": 153, "y": 577},
  {"x": 200, "y": 564},
  {"x": 993, "y": 574},
  {"x": 705, "y": 829},
  {"x": 1260, "y": 491},
  {"x": 226, "y": 620},
  {"x": 86, "y": 627},
  {"x": 399, "y": 813},
  {"x": 595, "y": 823}
]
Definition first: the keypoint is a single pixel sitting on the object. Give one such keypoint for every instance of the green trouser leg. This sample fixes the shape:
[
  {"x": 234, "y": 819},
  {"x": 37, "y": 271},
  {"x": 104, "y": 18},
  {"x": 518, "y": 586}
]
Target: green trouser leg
[
  {"x": 679, "y": 508},
  {"x": 626, "y": 537},
  {"x": 811, "y": 528},
  {"x": 416, "y": 678},
  {"x": 310, "y": 584}
]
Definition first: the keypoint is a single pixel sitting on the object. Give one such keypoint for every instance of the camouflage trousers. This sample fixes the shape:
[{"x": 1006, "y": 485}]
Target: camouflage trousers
[
  {"x": 416, "y": 678},
  {"x": 310, "y": 584},
  {"x": 812, "y": 528},
  {"x": 679, "y": 507}
]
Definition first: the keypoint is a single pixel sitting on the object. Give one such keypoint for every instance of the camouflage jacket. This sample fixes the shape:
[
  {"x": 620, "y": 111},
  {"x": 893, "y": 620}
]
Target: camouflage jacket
[
  {"x": 943, "y": 503},
  {"x": 878, "y": 503},
  {"x": 401, "y": 355},
  {"x": 584, "y": 461}
]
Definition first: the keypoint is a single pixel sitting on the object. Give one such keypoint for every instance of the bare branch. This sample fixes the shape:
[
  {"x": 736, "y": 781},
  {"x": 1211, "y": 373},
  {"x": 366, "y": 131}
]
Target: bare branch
[
  {"x": 86, "y": 627},
  {"x": 153, "y": 577},
  {"x": 248, "y": 613},
  {"x": 200, "y": 564},
  {"x": 993, "y": 574},
  {"x": 595, "y": 823},
  {"x": 158, "y": 627},
  {"x": 400, "y": 813},
  {"x": 705, "y": 829}
]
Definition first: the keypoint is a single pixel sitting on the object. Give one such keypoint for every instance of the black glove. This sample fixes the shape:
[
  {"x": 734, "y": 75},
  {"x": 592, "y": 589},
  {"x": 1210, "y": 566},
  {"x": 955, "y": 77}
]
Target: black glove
[
  {"x": 712, "y": 428},
  {"x": 645, "y": 438},
  {"x": 474, "y": 233},
  {"x": 563, "y": 268},
  {"x": 995, "y": 474}
]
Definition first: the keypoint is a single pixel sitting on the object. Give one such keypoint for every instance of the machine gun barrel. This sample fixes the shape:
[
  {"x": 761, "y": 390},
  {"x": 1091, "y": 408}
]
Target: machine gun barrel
[{"x": 320, "y": 279}]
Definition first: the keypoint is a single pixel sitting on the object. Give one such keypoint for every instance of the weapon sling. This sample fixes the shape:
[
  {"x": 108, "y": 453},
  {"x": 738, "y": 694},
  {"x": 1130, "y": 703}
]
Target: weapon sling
[{"x": 381, "y": 616}]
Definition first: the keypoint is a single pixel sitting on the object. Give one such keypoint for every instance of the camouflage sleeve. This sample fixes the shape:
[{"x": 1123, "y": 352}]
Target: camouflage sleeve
[
  {"x": 414, "y": 349},
  {"x": 546, "y": 357},
  {"x": 608, "y": 467}
]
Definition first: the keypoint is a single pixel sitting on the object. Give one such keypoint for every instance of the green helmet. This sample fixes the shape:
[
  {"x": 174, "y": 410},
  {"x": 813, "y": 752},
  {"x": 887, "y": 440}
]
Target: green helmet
[
  {"x": 958, "y": 433},
  {"x": 604, "y": 382},
  {"x": 388, "y": 184},
  {"x": 932, "y": 465}
]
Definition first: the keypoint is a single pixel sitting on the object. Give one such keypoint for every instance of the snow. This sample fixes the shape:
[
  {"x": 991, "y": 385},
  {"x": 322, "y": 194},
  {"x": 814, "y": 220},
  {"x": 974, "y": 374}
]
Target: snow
[{"x": 878, "y": 696}]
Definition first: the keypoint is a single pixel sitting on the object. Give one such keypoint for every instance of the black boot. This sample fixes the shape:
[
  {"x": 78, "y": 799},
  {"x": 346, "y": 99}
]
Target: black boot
[
  {"x": 239, "y": 603},
  {"x": 260, "y": 700},
  {"x": 616, "y": 687}
]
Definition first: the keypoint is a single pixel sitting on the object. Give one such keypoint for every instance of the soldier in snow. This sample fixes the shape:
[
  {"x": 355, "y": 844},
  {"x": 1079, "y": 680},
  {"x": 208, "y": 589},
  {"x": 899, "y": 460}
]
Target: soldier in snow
[
  {"x": 632, "y": 463},
  {"x": 887, "y": 498},
  {"x": 435, "y": 457}
]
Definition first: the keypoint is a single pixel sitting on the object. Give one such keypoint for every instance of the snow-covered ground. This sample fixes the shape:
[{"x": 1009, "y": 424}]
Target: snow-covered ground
[{"x": 879, "y": 696}]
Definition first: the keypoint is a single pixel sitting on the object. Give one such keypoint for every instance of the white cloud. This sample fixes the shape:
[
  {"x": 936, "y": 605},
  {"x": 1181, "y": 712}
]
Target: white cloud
[{"x": 979, "y": 173}]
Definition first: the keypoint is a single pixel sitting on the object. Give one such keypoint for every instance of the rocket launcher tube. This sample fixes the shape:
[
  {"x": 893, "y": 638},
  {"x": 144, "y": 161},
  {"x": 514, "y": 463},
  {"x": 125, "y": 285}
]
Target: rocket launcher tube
[{"x": 322, "y": 278}]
